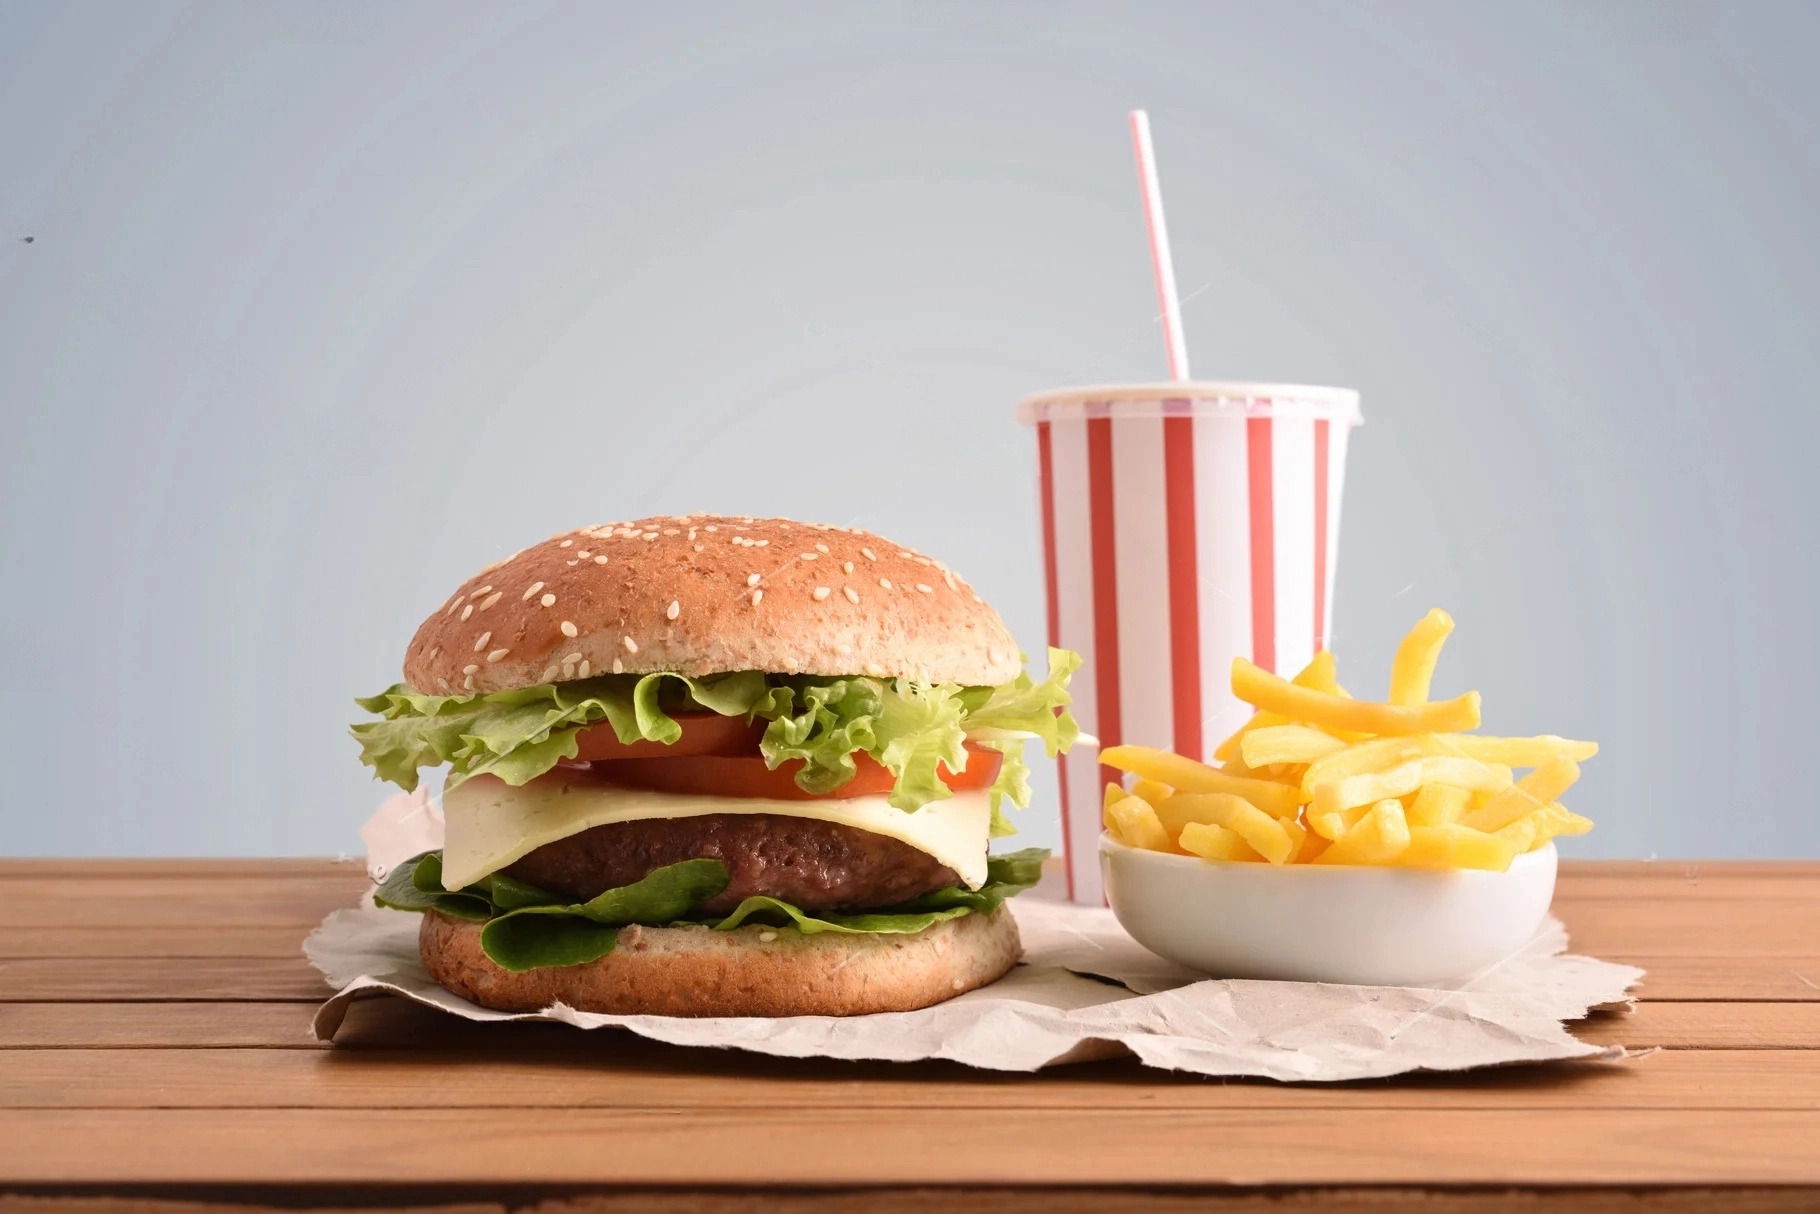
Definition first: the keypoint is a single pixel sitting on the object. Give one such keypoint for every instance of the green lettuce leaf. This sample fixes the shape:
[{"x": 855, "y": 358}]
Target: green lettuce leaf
[
  {"x": 533, "y": 937},
  {"x": 518, "y": 735},
  {"x": 912, "y": 729},
  {"x": 529, "y": 928}
]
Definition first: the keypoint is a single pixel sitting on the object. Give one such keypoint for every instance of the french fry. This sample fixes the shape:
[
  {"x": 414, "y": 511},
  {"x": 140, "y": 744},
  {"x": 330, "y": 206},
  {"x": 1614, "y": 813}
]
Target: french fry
[
  {"x": 1380, "y": 837},
  {"x": 1136, "y": 823},
  {"x": 1534, "y": 791},
  {"x": 1186, "y": 775},
  {"x": 1332, "y": 826},
  {"x": 1333, "y": 796},
  {"x": 1455, "y": 846},
  {"x": 1317, "y": 777},
  {"x": 1262, "y": 689},
  {"x": 1298, "y": 837},
  {"x": 1286, "y": 744},
  {"x": 1211, "y": 842},
  {"x": 1438, "y": 805},
  {"x": 1318, "y": 675},
  {"x": 1151, "y": 791},
  {"x": 1263, "y": 832},
  {"x": 1413, "y": 668},
  {"x": 1514, "y": 752}
]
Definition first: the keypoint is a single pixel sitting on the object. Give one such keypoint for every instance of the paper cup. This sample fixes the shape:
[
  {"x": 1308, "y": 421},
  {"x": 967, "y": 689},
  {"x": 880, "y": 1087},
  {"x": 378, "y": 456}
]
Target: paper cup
[{"x": 1183, "y": 525}]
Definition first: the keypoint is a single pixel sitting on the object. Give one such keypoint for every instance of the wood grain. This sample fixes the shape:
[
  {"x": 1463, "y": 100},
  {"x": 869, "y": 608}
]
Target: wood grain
[
  {"x": 1145, "y": 1147},
  {"x": 399, "y": 1024},
  {"x": 617, "y": 1072},
  {"x": 153, "y": 1031}
]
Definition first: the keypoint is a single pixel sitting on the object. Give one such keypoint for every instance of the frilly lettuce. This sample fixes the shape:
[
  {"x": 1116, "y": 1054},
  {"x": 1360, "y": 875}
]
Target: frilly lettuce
[
  {"x": 529, "y": 928},
  {"x": 910, "y": 728}
]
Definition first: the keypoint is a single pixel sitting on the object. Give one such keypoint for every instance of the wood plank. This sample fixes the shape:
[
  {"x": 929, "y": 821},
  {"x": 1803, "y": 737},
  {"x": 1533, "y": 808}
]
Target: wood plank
[
  {"x": 1032, "y": 1199},
  {"x": 399, "y": 1024},
  {"x": 263, "y": 979},
  {"x": 1706, "y": 1026},
  {"x": 1659, "y": 928},
  {"x": 200, "y": 902},
  {"x": 254, "y": 979},
  {"x": 134, "y": 940},
  {"x": 615, "y": 1071},
  {"x": 57, "y": 1026},
  {"x": 64, "y": 868},
  {"x": 970, "y": 1147},
  {"x": 1599, "y": 926}
]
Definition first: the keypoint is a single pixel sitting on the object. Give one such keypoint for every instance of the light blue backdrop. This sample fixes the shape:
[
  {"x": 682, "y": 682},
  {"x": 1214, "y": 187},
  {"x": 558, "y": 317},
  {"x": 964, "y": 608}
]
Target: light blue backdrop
[{"x": 327, "y": 305}]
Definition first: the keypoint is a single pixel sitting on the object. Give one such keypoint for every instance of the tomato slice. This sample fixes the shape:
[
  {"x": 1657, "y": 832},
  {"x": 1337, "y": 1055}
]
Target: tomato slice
[
  {"x": 747, "y": 776},
  {"x": 703, "y": 733}
]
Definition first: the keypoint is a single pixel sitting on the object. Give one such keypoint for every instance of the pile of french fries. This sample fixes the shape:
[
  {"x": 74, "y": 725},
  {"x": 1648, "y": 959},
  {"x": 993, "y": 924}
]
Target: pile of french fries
[{"x": 1317, "y": 777}]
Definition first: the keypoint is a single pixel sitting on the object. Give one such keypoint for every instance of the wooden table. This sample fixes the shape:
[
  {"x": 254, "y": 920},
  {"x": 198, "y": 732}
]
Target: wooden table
[{"x": 154, "y": 1046}]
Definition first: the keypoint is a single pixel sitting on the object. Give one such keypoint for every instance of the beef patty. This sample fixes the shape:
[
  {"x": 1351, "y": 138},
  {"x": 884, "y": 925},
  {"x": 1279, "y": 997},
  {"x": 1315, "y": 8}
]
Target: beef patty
[{"x": 809, "y": 863}]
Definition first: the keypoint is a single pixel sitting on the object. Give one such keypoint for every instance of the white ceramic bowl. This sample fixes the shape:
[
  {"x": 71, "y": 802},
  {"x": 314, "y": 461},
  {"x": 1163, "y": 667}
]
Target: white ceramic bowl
[{"x": 1327, "y": 923}]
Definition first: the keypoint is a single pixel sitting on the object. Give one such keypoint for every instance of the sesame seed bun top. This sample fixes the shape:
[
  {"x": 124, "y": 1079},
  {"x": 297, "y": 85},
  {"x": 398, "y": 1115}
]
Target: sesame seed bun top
[{"x": 702, "y": 594}]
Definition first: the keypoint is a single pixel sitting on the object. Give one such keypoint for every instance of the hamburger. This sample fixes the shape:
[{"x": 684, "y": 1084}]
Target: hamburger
[{"x": 716, "y": 766}]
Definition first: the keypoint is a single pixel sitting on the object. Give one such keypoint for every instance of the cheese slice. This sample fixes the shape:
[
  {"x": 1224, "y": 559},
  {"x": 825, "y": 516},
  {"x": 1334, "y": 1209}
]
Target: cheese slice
[{"x": 490, "y": 823}]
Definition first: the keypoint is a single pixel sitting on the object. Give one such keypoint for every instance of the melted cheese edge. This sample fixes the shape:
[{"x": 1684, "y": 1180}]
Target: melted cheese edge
[{"x": 490, "y": 823}]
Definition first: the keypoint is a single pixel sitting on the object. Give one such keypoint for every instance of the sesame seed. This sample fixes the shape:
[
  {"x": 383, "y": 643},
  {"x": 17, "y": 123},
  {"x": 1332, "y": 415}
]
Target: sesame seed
[
  {"x": 868, "y": 554},
  {"x": 584, "y": 554},
  {"x": 619, "y": 667},
  {"x": 453, "y": 604},
  {"x": 491, "y": 599},
  {"x": 630, "y": 644},
  {"x": 673, "y": 610},
  {"x": 875, "y": 670},
  {"x": 480, "y": 642},
  {"x": 549, "y": 673},
  {"x": 710, "y": 528},
  {"x": 467, "y": 684},
  {"x": 548, "y": 600},
  {"x": 671, "y": 531},
  {"x": 571, "y": 564},
  {"x": 846, "y": 651},
  {"x": 846, "y": 566},
  {"x": 761, "y": 543},
  {"x": 474, "y": 594},
  {"x": 752, "y": 579},
  {"x": 851, "y": 593},
  {"x": 885, "y": 582},
  {"x": 569, "y": 630},
  {"x": 497, "y": 654},
  {"x": 758, "y": 596},
  {"x": 691, "y": 533},
  {"x": 925, "y": 589},
  {"x": 767, "y": 937},
  {"x": 583, "y": 669},
  {"x": 948, "y": 577},
  {"x": 469, "y": 669},
  {"x": 530, "y": 590},
  {"x": 820, "y": 593},
  {"x": 993, "y": 654},
  {"x": 442, "y": 682},
  {"x": 566, "y": 544},
  {"x": 650, "y": 535},
  {"x": 571, "y": 659},
  {"x": 467, "y": 611},
  {"x": 600, "y": 560},
  {"x": 701, "y": 547},
  {"x": 821, "y": 548}
]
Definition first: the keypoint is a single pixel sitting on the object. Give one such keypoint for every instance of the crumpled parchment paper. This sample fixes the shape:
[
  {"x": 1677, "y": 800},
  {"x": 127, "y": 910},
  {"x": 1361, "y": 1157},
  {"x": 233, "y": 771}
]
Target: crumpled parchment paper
[{"x": 1085, "y": 990}]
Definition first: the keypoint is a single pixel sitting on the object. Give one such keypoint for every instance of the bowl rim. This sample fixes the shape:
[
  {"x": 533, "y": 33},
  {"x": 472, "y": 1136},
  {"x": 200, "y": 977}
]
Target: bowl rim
[{"x": 1111, "y": 846}]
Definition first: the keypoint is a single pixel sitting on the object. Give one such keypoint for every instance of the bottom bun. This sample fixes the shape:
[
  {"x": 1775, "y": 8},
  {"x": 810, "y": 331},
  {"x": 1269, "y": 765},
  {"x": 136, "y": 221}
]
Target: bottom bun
[{"x": 698, "y": 971}]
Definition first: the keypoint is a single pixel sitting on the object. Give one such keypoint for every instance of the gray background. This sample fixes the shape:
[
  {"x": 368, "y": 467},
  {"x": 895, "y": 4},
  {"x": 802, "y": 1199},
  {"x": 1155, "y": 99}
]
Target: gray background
[{"x": 330, "y": 304}]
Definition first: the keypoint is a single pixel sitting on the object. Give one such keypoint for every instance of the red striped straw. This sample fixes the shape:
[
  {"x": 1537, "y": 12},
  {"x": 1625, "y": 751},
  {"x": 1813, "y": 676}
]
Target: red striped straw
[{"x": 1171, "y": 307}]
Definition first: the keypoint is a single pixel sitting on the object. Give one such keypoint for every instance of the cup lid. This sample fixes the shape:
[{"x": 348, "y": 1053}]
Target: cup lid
[{"x": 1193, "y": 398}]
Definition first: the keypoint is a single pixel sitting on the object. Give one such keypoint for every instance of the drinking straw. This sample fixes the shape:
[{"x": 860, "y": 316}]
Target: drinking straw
[{"x": 1173, "y": 343}]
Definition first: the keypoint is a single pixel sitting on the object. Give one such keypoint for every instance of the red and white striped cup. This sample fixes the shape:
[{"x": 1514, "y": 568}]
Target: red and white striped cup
[{"x": 1183, "y": 524}]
